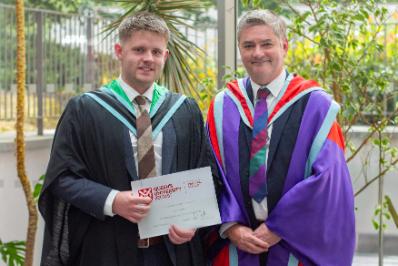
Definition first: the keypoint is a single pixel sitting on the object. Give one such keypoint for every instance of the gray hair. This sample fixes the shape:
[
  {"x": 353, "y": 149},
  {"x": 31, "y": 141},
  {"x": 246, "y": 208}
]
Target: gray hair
[
  {"x": 142, "y": 21},
  {"x": 263, "y": 17}
]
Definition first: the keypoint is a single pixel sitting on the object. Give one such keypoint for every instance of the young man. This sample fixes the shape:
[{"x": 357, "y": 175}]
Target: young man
[
  {"x": 131, "y": 128},
  {"x": 286, "y": 195}
]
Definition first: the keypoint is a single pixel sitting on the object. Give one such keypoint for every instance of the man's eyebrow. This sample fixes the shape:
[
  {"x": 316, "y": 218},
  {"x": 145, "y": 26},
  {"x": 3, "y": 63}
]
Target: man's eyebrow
[{"x": 261, "y": 41}]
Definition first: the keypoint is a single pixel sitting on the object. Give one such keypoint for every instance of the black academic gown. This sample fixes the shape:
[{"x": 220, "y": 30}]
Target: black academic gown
[{"x": 91, "y": 144}]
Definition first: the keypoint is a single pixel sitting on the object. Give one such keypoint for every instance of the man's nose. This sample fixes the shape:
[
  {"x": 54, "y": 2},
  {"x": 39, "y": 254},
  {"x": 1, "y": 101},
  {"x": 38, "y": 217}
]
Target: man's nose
[
  {"x": 148, "y": 56},
  {"x": 257, "y": 51}
]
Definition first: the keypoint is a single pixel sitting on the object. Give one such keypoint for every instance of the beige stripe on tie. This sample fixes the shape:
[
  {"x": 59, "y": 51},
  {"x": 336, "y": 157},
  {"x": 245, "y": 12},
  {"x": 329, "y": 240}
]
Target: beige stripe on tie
[{"x": 146, "y": 154}]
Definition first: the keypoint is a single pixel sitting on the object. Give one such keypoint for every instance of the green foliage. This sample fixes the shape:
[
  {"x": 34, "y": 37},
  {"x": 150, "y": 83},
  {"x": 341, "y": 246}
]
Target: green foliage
[
  {"x": 12, "y": 252},
  {"x": 254, "y": 4},
  {"x": 352, "y": 52},
  {"x": 205, "y": 71},
  {"x": 263, "y": 4},
  {"x": 388, "y": 212},
  {"x": 64, "y": 60},
  {"x": 65, "y": 54},
  {"x": 343, "y": 47},
  {"x": 200, "y": 18},
  {"x": 391, "y": 210},
  {"x": 231, "y": 74},
  {"x": 38, "y": 187},
  {"x": 61, "y": 6}
]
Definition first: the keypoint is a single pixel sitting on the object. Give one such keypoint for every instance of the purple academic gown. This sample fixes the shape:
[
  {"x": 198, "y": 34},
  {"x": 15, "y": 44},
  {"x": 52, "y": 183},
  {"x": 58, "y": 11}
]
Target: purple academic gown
[{"x": 310, "y": 196}]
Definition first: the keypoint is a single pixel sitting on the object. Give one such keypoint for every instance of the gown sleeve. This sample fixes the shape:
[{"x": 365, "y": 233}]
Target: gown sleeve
[{"x": 315, "y": 218}]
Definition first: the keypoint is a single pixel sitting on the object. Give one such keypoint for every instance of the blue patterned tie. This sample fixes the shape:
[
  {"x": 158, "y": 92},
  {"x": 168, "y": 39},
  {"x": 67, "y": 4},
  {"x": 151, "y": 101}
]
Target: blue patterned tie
[{"x": 258, "y": 148}]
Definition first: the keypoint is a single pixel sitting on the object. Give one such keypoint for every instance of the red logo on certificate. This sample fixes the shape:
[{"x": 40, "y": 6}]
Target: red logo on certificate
[{"x": 145, "y": 192}]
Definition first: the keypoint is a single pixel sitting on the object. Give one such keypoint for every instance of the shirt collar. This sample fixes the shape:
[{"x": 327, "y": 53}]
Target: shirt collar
[
  {"x": 132, "y": 93},
  {"x": 274, "y": 86}
]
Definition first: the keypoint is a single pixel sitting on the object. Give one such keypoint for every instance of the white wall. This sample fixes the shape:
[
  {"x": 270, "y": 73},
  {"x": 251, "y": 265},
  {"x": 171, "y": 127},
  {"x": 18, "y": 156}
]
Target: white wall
[
  {"x": 13, "y": 210},
  {"x": 366, "y": 202}
]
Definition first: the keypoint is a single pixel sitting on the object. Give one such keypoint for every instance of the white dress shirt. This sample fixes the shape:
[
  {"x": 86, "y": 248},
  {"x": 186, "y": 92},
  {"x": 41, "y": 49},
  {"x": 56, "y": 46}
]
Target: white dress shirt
[
  {"x": 261, "y": 209},
  {"x": 157, "y": 143}
]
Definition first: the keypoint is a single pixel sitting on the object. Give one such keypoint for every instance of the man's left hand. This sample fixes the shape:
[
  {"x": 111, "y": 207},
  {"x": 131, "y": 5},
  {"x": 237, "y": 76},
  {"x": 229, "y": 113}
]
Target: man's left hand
[
  {"x": 267, "y": 235},
  {"x": 179, "y": 236}
]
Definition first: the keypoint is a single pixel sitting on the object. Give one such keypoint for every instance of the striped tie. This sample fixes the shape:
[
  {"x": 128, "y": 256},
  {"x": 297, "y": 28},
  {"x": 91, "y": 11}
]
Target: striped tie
[
  {"x": 146, "y": 154},
  {"x": 258, "y": 148}
]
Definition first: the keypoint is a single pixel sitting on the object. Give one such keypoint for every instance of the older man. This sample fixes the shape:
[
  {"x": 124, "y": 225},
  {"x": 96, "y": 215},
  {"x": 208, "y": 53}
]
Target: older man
[{"x": 286, "y": 195}]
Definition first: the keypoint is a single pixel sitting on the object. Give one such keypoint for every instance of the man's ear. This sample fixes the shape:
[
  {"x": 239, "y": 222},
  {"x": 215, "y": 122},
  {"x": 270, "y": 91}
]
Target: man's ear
[
  {"x": 285, "y": 45},
  {"x": 166, "y": 55},
  {"x": 118, "y": 50}
]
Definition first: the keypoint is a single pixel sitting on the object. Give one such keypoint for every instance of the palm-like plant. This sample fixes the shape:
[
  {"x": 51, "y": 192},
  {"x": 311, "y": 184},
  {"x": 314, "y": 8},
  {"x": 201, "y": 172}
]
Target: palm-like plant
[
  {"x": 177, "y": 73},
  {"x": 26, "y": 185},
  {"x": 12, "y": 252}
]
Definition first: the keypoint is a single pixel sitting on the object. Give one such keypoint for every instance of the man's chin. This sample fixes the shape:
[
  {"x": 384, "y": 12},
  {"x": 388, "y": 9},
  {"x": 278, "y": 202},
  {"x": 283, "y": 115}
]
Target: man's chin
[
  {"x": 261, "y": 78},
  {"x": 150, "y": 78}
]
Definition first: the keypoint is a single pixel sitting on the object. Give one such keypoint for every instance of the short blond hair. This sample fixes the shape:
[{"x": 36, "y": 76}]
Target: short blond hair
[{"x": 143, "y": 21}]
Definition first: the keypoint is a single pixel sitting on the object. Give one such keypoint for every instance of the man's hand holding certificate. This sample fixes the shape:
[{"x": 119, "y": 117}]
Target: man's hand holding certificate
[{"x": 186, "y": 199}]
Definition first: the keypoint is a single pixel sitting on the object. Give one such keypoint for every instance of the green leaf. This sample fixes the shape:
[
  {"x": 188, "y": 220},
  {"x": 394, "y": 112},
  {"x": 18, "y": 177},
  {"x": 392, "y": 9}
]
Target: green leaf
[
  {"x": 38, "y": 187},
  {"x": 13, "y": 252},
  {"x": 257, "y": 3},
  {"x": 375, "y": 224},
  {"x": 377, "y": 211},
  {"x": 359, "y": 17},
  {"x": 376, "y": 142},
  {"x": 245, "y": 3},
  {"x": 392, "y": 210}
]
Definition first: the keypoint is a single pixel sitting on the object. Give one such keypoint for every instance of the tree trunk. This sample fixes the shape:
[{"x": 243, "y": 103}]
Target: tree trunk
[{"x": 20, "y": 142}]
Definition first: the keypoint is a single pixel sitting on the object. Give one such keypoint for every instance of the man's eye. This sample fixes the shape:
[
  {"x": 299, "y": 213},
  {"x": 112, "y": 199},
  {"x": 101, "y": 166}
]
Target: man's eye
[{"x": 267, "y": 44}]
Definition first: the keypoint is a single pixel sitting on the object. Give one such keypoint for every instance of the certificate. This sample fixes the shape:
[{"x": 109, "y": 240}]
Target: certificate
[{"x": 186, "y": 199}]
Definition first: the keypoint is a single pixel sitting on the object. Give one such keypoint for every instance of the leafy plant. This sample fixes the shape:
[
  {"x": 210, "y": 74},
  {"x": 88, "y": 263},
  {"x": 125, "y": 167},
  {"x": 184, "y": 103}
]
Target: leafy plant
[
  {"x": 61, "y": 6},
  {"x": 381, "y": 210},
  {"x": 387, "y": 210},
  {"x": 348, "y": 47},
  {"x": 391, "y": 210},
  {"x": 342, "y": 46},
  {"x": 12, "y": 252}
]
